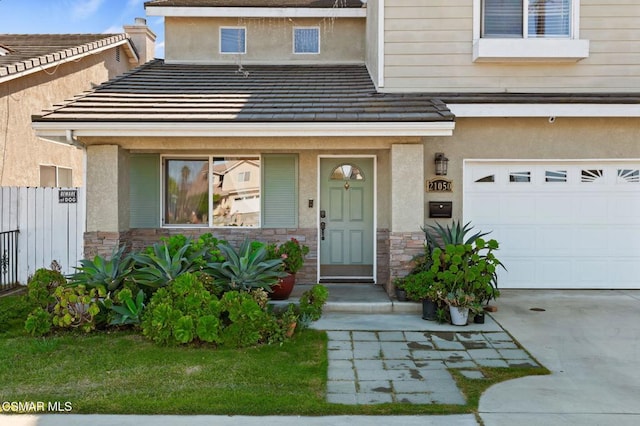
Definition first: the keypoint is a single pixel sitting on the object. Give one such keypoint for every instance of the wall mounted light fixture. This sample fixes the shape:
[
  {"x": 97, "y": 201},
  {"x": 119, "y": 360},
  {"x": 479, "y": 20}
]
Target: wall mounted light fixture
[{"x": 442, "y": 164}]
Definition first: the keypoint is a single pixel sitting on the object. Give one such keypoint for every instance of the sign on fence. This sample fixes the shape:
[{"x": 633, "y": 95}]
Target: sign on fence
[{"x": 50, "y": 229}]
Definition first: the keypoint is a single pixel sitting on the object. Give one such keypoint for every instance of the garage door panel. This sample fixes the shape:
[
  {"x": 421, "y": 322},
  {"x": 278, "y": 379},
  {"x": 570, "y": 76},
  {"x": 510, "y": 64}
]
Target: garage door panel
[{"x": 581, "y": 229}]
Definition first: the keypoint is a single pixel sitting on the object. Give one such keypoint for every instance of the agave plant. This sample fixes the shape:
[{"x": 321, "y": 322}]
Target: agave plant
[
  {"x": 439, "y": 237},
  {"x": 109, "y": 273},
  {"x": 158, "y": 267},
  {"x": 245, "y": 269}
]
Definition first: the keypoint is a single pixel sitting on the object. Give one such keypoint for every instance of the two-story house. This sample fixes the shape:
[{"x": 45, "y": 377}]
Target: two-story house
[
  {"x": 37, "y": 70},
  {"x": 527, "y": 110}
]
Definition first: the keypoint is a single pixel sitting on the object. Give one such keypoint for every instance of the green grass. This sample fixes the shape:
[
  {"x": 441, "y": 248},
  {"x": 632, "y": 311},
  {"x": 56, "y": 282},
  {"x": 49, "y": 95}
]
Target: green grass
[{"x": 123, "y": 373}]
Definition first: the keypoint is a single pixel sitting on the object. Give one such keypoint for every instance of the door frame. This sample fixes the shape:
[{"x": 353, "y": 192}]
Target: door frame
[{"x": 375, "y": 208}]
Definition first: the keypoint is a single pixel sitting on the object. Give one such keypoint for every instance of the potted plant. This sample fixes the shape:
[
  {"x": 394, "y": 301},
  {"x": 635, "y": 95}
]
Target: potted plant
[
  {"x": 423, "y": 287},
  {"x": 468, "y": 275},
  {"x": 401, "y": 293},
  {"x": 292, "y": 254}
]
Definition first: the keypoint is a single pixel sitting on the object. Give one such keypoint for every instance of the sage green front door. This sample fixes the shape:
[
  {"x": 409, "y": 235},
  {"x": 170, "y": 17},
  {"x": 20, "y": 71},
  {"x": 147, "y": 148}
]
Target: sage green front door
[{"x": 346, "y": 218}]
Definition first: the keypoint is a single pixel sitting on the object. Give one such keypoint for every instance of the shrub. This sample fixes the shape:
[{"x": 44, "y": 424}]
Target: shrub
[
  {"x": 76, "y": 307},
  {"x": 38, "y": 322},
  {"x": 108, "y": 273},
  {"x": 127, "y": 310},
  {"x": 246, "y": 269},
  {"x": 312, "y": 302},
  {"x": 158, "y": 267},
  {"x": 182, "y": 312},
  {"x": 202, "y": 250},
  {"x": 42, "y": 285}
]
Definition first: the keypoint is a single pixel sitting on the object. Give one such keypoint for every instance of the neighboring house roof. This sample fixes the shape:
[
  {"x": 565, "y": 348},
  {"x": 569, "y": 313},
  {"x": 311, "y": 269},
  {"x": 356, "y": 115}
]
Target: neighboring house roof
[
  {"x": 27, "y": 53},
  {"x": 256, "y": 3},
  {"x": 160, "y": 92}
]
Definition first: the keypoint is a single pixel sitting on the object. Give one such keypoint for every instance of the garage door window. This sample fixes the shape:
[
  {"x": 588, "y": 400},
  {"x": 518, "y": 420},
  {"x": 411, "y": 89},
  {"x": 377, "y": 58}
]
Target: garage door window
[
  {"x": 520, "y": 177},
  {"x": 592, "y": 175},
  {"x": 555, "y": 176},
  {"x": 487, "y": 179},
  {"x": 628, "y": 175}
]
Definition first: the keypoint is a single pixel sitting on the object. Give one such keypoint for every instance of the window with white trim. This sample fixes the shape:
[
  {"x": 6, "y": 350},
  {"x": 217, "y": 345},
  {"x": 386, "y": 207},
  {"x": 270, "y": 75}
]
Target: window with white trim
[
  {"x": 306, "y": 40},
  {"x": 55, "y": 177},
  {"x": 233, "y": 40},
  {"x": 528, "y": 30},
  {"x": 541, "y": 18},
  {"x": 213, "y": 191}
]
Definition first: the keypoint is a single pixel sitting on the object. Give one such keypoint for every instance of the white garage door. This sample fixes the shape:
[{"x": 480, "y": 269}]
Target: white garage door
[{"x": 569, "y": 224}]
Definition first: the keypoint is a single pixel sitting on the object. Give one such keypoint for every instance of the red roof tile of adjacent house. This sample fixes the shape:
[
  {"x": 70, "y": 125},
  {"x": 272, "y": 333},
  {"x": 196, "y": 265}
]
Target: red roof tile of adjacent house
[
  {"x": 160, "y": 92},
  {"x": 30, "y": 51}
]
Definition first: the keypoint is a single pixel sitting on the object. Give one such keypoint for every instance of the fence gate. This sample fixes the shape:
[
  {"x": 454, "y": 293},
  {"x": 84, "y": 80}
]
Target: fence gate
[{"x": 38, "y": 226}]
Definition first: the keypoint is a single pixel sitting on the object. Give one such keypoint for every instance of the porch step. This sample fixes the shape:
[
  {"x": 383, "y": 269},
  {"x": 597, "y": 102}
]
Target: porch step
[{"x": 356, "y": 298}]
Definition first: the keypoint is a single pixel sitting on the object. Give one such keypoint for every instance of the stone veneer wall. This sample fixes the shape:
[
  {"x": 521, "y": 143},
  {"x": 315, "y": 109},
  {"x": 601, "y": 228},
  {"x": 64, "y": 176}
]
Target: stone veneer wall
[
  {"x": 103, "y": 243},
  {"x": 403, "y": 247}
]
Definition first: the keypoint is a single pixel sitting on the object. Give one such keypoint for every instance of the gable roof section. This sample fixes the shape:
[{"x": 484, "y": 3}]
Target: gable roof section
[
  {"x": 28, "y": 53},
  {"x": 211, "y": 96}
]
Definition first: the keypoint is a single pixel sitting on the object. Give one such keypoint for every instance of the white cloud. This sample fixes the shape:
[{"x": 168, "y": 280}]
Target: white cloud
[
  {"x": 83, "y": 9},
  {"x": 114, "y": 29}
]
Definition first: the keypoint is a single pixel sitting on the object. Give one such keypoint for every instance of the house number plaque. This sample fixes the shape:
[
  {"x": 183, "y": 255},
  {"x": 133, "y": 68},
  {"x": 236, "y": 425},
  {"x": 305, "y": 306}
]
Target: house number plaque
[{"x": 439, "y": 185}]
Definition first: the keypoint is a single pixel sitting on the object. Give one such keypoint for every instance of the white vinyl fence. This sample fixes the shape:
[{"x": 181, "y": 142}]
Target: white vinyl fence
[{"x": 50, "y": 224}]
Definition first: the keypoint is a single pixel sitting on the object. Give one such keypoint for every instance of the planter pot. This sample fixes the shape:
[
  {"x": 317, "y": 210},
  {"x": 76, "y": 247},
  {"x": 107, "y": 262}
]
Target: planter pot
[
  {"x": 459, "y": 315},
  {"x": 429, "y": 309},
  {"x": 283, "y": 289},
  {"x": 478, "y": 318},
  {"x": 401, "y": 295}
]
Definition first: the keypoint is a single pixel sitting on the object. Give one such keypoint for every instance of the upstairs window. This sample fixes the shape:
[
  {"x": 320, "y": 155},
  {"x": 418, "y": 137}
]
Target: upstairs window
[
  {"x": 541, "y": 18},
  {"x": 233, "y": 40},
  {"x": 527, "y": 30},
  {"x": 306, "y": 40}
]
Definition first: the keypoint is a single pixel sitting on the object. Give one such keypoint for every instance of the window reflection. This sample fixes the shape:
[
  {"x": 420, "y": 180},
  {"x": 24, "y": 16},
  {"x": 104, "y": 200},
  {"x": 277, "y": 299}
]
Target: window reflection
[{"x": 186, "y": 189}]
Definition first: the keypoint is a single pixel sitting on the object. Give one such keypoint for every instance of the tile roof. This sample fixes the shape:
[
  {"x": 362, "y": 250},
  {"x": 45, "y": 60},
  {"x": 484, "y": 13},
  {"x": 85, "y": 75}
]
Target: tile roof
[
  {"x": 28, "y": 51},
  {"x": 159, "y": 92},
  {"x": 256, "y": 3}
]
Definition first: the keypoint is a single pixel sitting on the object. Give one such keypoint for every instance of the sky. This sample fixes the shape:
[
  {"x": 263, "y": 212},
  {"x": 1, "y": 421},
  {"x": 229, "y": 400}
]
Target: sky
[{"x": 76, "y": 16}]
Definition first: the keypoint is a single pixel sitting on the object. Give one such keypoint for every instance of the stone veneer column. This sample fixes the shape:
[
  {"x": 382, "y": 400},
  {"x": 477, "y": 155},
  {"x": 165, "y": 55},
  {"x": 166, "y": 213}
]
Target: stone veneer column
[
  {"x": 407, "y": 208},
  {"x": 107, "y": 183}
]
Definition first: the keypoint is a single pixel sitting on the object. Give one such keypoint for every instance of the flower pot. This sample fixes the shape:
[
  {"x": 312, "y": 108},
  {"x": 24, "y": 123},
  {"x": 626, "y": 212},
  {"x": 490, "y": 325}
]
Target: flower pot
[
  {"x": 429, "y": 309},
  {"x": 401, "y": 295},
  {"x": 283, "y": 289},
  {"x": 459, "y": 315},
  {"x": 478, "y": 318}
]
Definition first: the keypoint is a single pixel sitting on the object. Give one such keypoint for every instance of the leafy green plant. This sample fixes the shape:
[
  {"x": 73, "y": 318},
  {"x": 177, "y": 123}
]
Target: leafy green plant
[
  {"x": 438, "y": 236},
  {"x": 129, "y": 311},
  {"x": 312, "y": 301},
  {"x": 42, "y": 285},
  {"x": 76, "y": 307},
  {"x": 245, "y": 320},
  {"x": 201, "y": 250},
  {"x": 468, "y": 272},
  {"x": 109, "y": 273},
  {"x": 38, "y": 322},
  {"x": 182, "y": 312},
  {"x": 245, "y": 269},
  {"x": 423, "y": 286},
  {"x": 291, "y": 252},
  {"x": 158, "y": 267}
]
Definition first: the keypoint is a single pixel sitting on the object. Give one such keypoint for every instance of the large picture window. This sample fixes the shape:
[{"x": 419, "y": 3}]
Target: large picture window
[{"x": 212, "y": 191}]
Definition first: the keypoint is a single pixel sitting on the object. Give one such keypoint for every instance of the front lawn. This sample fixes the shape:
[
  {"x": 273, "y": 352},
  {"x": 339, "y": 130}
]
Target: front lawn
[{"x": 124, "y": 373}]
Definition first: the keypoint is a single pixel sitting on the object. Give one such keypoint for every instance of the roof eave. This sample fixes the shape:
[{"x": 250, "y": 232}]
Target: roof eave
[
  {"x": 67, "y": 131},
  {"x": 585, "y": 110},
  {"x": 256, "y": 12},
  {"x": 126, "y": 42}
]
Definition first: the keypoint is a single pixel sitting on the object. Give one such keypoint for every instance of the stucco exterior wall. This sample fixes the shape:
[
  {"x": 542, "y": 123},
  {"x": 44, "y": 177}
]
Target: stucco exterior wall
[
  {"x": 268, "y": 40},
  {"x": 528, "y": 138},
  {"x": 21, "y": 152},
  {"x": 428, "y": 47}
]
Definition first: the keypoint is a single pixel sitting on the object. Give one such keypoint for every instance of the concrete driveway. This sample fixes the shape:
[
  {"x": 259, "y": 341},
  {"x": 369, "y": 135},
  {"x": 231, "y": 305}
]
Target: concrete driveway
[{"x": 590, "y": 340}]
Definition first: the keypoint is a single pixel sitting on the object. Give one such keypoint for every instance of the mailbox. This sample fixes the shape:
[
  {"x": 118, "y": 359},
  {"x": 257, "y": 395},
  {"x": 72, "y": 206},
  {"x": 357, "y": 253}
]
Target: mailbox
[{"x": 440, "y": 209}]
